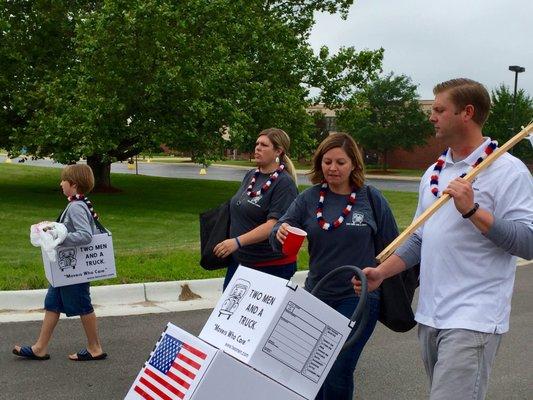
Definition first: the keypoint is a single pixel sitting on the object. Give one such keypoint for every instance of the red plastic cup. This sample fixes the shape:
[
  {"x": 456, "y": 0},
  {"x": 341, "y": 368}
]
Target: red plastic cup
[{"x": 294, "y": 240}]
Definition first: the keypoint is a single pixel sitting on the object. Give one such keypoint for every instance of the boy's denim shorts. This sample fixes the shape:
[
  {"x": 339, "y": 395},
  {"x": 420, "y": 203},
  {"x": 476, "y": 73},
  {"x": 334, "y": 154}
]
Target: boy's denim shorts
[{"x": 71, "y": 300}]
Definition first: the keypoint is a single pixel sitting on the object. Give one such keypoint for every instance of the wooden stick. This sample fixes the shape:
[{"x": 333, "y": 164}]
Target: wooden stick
[{"x": 386, "y": 253}]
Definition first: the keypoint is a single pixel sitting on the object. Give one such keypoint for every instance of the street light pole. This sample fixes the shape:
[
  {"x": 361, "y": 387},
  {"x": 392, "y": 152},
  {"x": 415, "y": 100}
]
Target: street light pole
[{"x": 516, "y": 69}]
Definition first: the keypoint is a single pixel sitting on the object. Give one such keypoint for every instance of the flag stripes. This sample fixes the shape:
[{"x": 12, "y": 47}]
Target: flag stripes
[{"x": 170, "y": 371}]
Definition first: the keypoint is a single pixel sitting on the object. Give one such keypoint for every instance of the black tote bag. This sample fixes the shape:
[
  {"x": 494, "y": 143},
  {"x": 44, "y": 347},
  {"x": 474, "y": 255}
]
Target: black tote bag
[
  {"x": 397, "y": 292},
  {"x": 214, "y": 228}
]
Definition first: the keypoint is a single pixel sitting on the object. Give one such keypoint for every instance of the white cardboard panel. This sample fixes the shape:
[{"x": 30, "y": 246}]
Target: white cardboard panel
[
  {"x": 282, "y": 331},
  {"x": 79, "y": 264}
]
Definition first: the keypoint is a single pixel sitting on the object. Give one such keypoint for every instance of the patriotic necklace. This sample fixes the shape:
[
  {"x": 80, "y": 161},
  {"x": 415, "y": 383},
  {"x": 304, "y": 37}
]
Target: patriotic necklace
[
  {"x": 266, "y": 185},
  {"x": 434, "y": 179},
  {"x": 320, "y": 209},
  {"x": 81, "y": 197}
]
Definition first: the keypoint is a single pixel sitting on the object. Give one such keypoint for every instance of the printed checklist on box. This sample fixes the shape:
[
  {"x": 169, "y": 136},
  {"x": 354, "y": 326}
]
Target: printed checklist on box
[
  {"x": 302, "y": 342},
  {"x": 278, "y": 329}
]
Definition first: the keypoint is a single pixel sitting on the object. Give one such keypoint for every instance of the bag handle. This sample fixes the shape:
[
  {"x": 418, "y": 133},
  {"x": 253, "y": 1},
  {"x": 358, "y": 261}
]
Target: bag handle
[
  {"x": 100, "y": 226},
  {"x": 378, "y": 243},
  {"x": 360, "y": 311},
  {"x": 96, "y": 221}
]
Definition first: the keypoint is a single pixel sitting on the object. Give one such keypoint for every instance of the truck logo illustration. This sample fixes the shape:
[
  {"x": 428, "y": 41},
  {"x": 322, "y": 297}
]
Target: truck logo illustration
[
  {"x": 236, "y": 294},
  {"x": 357, "y": 219},
  {"x": 66, "y": 258}
]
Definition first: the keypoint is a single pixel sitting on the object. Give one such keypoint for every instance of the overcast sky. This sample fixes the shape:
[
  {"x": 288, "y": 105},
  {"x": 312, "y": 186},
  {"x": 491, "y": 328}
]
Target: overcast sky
[{"x": 432, "y": 41}]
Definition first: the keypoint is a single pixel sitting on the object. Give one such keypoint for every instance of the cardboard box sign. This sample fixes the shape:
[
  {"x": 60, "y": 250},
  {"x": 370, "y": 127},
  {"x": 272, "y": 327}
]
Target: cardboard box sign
[
  {"x": 183, "y": 367},
  {"x": 175, "y": 367},
  {"x": 229, "y": 379},
  {"x": 282, "y": 331},
  {"x": 79, "y": 264}
]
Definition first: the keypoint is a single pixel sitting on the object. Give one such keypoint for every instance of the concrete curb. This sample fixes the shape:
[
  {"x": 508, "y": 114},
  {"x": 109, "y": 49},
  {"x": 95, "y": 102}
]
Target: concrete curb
[
  {"x": 129, "y": 299},
  {"x": 133, "y": 299},
  {"x": 121, "y": 294},
  {"x": 21, "y": 299}
]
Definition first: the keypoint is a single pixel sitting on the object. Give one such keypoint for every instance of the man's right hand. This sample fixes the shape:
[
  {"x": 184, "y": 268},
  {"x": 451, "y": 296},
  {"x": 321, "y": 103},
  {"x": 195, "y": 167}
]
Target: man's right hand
[{"x": 373, "y": 279}]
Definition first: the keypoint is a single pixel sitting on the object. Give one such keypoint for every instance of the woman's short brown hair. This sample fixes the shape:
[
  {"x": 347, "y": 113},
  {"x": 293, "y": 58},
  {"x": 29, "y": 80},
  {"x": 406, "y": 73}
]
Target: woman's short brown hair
[
  {"x": 345, "y": 142},
  {"x": 80, "y": 175}
]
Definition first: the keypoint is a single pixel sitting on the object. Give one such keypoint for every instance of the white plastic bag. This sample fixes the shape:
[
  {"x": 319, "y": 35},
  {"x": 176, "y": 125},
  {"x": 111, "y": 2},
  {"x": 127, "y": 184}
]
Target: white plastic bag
[{"x": 48, "y": 235}]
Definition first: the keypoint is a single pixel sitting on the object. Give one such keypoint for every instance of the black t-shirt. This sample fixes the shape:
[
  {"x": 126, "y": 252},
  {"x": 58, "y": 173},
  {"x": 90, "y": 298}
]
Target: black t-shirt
[
  {"x": 248, "y": 213},
  {"x": 352, "y": 243}
]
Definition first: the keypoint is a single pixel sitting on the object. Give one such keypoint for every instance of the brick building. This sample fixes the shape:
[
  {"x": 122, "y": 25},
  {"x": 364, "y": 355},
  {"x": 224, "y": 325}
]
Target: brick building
[{"x": 419, "y": 157}]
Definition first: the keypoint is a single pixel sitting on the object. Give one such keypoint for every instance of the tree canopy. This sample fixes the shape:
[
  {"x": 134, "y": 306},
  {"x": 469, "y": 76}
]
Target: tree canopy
[
  {"x": 385, "y": 115},
  {"x": 500, "y": 124},
  {"x": 107, "y": 80},
  {"x": 35, "y": 47}
]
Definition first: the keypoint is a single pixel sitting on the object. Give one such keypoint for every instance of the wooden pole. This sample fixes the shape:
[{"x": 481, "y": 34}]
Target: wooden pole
[{"x": 386, "y": 253}]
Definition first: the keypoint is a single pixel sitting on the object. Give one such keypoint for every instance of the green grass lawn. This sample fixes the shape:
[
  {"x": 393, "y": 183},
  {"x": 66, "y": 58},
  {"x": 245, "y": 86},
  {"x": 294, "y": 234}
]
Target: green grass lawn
[{"x": 154, "y": 222}]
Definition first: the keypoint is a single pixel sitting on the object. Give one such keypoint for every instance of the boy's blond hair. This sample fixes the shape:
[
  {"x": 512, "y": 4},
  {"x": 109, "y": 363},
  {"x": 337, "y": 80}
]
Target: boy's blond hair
[{"x": 80, "y": 175}]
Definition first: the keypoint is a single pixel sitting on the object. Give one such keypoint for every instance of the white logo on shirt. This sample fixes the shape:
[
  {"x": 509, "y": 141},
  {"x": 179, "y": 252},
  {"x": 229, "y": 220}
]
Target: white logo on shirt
[
  {"x": 255, "y": 200},
  {"x": 473, "y": 187},
  {"x": 357, "y": 219}
]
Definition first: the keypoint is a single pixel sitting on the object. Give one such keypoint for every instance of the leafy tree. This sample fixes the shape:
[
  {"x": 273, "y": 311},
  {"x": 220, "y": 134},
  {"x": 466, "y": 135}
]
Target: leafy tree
[
  {"x": 499, "y": 125},
  {"x": 385, "y": 115},
  {"x": 144, "y": 72},
  {"x": 35, "y": 47}
]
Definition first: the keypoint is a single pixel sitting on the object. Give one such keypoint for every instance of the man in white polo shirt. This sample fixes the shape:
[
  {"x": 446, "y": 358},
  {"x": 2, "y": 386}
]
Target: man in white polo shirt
[{"x": 467, "y": 249}]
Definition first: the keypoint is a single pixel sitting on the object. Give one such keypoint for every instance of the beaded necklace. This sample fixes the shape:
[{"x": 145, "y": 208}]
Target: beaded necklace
[
  {"x": 434, "y": 179},
  {"x": 82, "y": 197},
  {"x": 266, "y": 185},
  {"x": 320, "y": 209}
]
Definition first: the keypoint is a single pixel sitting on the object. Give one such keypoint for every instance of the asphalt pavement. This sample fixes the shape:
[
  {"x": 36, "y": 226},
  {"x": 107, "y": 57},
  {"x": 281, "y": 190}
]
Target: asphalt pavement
[
  {"x": 390, "y": 367},
  {"x": 186, "y": 170}
]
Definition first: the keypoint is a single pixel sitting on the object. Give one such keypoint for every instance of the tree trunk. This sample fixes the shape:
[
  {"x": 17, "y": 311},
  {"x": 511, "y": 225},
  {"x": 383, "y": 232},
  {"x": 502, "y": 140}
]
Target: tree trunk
[
  {"x": 385, "y": 160},
  {"x": 102, "y": 174}
]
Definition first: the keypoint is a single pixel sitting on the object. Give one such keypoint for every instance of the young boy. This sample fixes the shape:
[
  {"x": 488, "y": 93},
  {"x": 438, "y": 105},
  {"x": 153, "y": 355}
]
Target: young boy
[{"x": 79, "y": 218}]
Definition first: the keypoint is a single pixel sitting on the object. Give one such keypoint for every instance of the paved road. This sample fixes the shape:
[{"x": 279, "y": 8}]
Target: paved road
[
  {"x": 191, "y": 171},
  {"x": 390, "y": 367}
]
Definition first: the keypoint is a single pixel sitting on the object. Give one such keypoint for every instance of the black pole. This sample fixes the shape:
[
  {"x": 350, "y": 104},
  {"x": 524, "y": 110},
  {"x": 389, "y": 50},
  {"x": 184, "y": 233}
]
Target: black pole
[
  {"x": 516, "y": 69},
  {"x": 514, "y": 101}
]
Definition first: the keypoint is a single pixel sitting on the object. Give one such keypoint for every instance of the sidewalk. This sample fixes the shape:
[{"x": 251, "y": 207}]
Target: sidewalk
[
  {"x": 133, "y": 299},
  {"x": 369, "y": 175}
]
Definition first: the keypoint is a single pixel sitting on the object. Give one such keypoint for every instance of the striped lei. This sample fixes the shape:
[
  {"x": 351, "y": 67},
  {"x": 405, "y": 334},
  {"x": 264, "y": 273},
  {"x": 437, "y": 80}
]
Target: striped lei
[
  {"x": 81, "y": 197},
  {"x": 441, "y": 162},
  {"x": 327, "y": 226},
  {"x": 266, "y": 185}
]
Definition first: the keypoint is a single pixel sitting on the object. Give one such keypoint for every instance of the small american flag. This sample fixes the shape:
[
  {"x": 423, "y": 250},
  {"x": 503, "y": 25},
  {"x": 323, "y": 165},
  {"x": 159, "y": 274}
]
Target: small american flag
[{"x": 170, "y": 371}]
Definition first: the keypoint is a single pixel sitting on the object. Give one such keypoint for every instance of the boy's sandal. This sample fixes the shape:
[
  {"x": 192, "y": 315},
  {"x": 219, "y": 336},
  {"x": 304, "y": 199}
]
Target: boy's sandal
[
  {"x": 84, "y": 355},
  {"x": 27, "y": 352}
]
